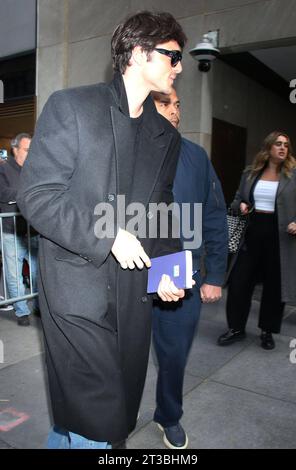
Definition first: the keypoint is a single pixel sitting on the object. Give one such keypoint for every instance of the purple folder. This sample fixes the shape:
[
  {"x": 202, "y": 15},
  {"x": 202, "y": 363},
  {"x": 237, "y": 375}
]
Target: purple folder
[{"x": 176, "y": 265}]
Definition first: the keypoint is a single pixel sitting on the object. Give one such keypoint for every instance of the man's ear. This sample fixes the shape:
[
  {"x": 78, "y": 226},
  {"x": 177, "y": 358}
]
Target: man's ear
[{"x": 139, "y": 57}]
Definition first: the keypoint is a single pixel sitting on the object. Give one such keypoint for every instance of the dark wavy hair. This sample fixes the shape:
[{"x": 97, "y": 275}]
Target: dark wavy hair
[
  {"x": 262, "y": 157},
  {"x": 145, "y": 29}
]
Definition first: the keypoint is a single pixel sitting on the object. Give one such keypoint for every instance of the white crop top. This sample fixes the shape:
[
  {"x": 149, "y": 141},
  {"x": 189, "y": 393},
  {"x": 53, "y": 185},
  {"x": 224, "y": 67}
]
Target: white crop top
[{"x": 265, "y": 194}]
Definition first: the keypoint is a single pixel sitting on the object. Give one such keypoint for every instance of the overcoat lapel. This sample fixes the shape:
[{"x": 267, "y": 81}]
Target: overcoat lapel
[
  {"x": 248, "y": 186},
  {"x": 152, "y": 149},
  {"x": 284, "y": 180}
]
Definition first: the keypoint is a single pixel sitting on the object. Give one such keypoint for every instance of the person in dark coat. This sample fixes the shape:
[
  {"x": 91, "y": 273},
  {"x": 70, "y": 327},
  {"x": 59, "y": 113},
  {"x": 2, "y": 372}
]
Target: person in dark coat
[
  {"x": 17, "y": 246},
  {"x": 267, "y": 192},
  {"x": 93, "y": 145},
  {"x": 174, "y": 325}
]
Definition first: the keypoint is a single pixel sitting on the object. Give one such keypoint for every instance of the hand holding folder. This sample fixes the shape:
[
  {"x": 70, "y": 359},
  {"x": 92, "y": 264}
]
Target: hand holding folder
[{"x": 178, "y": 266}]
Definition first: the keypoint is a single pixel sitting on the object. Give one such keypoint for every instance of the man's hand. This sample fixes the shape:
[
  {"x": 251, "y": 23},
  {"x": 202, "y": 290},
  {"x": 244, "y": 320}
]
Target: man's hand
[
  {"x": 244, "y": 208},
  {"x": 129, "y": 252},
  {"x": 292, "y": 228},
  {"x": 210, "y": 293},
  {"x": 167, "y": 290}
]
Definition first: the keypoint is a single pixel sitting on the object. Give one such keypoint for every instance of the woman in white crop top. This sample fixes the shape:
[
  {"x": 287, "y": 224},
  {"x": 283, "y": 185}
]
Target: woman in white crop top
[{"x": 267, "y": 251}]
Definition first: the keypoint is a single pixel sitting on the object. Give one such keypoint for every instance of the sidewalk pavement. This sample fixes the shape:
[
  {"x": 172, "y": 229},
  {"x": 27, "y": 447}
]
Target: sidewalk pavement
[{"x": 236, "y": 397}]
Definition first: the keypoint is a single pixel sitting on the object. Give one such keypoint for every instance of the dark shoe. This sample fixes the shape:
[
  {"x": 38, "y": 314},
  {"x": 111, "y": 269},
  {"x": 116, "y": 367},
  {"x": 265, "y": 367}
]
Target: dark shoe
[
  {"x": 23, "y": 321},
  {"x": 231, "y": 336},
  {"x": 174, "y": 437},
  {"x": 267, "y": 341}
]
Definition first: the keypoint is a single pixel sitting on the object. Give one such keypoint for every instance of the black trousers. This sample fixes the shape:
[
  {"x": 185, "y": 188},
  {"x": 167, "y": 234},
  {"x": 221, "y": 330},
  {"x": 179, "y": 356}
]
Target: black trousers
[{"x": 258, "y": 259}]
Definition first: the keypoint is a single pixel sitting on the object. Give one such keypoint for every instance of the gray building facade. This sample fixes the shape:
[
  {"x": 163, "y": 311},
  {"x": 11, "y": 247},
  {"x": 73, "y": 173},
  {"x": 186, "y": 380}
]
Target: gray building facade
[{"x": 73, "y": 48}]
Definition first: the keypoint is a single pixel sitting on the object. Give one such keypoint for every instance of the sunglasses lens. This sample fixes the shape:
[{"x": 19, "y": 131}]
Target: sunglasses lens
[{"x": 177, "y": 57}]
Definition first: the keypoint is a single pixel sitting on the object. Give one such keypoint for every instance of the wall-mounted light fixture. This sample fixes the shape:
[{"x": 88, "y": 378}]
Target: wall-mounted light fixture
[{"x": 206, "y": 51}]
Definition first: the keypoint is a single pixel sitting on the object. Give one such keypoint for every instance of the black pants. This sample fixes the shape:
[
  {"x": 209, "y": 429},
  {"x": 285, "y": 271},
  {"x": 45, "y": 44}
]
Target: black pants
[{"x": 259, "y": 258}]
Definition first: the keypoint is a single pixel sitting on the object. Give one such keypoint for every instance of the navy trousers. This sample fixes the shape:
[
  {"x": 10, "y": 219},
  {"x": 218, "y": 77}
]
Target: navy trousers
[{"x": 173, "y": 326}]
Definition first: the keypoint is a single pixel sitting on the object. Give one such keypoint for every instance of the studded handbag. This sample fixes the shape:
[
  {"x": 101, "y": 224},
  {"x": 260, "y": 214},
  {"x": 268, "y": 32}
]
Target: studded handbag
[{"x": 236, "y": 228}]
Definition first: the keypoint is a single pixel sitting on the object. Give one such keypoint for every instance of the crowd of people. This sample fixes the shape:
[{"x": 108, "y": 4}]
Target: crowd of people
[{"x": 91, "y": 145}]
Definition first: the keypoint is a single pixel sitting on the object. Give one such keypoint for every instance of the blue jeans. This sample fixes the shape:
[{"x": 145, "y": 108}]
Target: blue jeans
[
  {"x": 14, "y": 278},
  {"x": 173, "y": 326},
  {"x": 61, "y": 439}
]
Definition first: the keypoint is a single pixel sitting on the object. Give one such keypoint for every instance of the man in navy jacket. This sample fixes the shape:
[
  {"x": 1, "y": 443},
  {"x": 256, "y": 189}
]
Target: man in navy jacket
[{"x": 174, "y": 325}]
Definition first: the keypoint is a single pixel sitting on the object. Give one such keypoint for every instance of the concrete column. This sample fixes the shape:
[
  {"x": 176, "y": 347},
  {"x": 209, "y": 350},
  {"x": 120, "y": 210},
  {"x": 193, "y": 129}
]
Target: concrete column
[
  {"x": 197, "y": 108},
  {"x": 206, "y": 110},
  {"x": 52, "y": 48},
  {"x": 66, "y": 45}
]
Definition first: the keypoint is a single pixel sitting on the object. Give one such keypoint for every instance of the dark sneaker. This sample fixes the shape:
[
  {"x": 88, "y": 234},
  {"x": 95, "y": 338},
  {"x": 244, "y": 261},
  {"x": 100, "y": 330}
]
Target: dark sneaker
[
  {"x": 174, "y": 437},
  {"x": 231, "y": 336},
  {"x": 23, "y": 321},
  {"x": 267, "y": 341}
]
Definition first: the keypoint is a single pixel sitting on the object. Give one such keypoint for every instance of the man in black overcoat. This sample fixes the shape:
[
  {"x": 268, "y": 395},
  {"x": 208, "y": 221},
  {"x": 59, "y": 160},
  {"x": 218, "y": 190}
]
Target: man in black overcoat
[{"x": 91, "y": 145}]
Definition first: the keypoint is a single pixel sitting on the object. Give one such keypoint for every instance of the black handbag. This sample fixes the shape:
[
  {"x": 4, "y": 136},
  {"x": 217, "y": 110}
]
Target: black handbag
[{"x": 236, "y": 228}]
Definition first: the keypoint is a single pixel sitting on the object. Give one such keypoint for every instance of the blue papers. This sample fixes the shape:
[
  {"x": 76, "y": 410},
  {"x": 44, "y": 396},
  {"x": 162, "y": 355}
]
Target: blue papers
[{"x": 176, "y": 265}]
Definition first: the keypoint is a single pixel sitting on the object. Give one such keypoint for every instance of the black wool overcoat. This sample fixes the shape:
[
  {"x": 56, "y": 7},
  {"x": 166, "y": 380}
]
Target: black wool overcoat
[{"x": 96, "y": 368}]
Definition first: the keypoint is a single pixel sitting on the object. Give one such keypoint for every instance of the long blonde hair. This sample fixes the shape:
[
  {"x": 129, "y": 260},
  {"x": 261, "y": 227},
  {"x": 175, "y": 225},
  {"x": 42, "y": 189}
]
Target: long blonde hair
[{"x": 262, "y": 157}]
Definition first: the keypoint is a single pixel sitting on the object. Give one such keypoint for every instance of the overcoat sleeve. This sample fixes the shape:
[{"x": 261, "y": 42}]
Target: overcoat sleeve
[
  {"x": 215, "y": 232},
  {"x": 45, "y": 197}
]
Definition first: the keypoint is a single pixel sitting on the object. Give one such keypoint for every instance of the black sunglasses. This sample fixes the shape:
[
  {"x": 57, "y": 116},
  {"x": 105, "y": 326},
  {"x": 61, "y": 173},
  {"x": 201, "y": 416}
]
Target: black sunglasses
[{"x": 176, "y": 56}]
